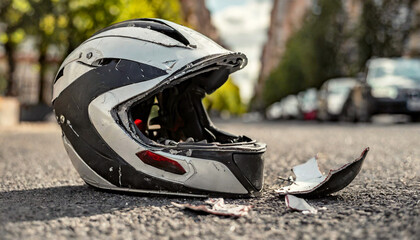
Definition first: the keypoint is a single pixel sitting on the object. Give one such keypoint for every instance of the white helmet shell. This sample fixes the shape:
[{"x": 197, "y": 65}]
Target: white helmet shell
[{"x": 128, "y": 100}]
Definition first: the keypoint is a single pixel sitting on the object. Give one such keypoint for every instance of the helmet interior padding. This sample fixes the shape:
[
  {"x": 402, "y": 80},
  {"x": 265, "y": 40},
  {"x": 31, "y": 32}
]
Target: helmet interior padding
[{"x": 177, "y": 114}]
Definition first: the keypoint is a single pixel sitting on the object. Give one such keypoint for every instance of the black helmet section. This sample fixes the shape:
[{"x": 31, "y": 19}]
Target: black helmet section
[{"x": 252, "y": 167}]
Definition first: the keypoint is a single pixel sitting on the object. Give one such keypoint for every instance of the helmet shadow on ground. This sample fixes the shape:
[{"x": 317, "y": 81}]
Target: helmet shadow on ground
[{"x": 45, "y": 204}]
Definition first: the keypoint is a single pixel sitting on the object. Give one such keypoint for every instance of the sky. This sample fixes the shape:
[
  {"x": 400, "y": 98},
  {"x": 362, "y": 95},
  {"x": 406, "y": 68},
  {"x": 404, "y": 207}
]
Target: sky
[{"x": 242, "y": 25}]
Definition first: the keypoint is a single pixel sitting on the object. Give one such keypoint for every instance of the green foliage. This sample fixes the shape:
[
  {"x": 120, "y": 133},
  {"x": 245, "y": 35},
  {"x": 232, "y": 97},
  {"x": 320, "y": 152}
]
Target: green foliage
[
  {"x": 87, "y": 17},
  {"x": 226, "y": 98},
  {"x": 12, "y": 13},
  {"x": 169, "y": 10},
  {"x": 67, "y": 23},
  {"x": 311, "y": 54}
]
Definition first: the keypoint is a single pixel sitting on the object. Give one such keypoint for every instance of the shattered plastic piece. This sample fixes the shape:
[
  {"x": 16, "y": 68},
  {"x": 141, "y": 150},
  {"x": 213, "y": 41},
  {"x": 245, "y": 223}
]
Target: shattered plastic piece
[
  {"x": 299, "y": 204},
  {"x": 218, "y": 207},
  {"x": 170, "y": 64},
  {"x": 311, "y": 183}
]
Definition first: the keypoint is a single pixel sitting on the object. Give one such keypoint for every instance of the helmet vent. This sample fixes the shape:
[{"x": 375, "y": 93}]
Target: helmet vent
[
  {"x": 103, "y": 61},
  {"x": 59, "y": 74}
]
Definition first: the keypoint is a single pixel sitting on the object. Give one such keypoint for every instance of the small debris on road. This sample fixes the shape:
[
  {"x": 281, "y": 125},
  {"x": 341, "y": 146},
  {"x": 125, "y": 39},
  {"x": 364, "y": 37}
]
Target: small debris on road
[
  {"x": 310, "y": 182},
  {"x": 299, "y": 204},
  {"x": 217, "y": 207}
]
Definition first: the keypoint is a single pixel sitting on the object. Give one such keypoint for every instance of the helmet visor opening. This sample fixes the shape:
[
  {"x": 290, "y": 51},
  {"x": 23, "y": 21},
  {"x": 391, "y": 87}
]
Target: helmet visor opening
[{"x": 176, "y": 114}]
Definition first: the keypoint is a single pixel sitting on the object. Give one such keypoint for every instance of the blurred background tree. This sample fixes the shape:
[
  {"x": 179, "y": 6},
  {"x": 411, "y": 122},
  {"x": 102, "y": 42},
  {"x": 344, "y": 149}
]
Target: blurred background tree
[
  {"x": 13, "y": 21},
  {"x": 226, "y": 99}
]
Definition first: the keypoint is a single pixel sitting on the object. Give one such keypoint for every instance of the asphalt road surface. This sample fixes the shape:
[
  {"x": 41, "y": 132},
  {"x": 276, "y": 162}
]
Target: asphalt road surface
[{"x": 42, "y": 196}]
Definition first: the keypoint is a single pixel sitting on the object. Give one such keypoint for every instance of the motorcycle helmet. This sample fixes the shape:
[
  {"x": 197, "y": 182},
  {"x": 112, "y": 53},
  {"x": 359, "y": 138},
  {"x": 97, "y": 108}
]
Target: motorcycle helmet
[{"x": 129, "y": 103}]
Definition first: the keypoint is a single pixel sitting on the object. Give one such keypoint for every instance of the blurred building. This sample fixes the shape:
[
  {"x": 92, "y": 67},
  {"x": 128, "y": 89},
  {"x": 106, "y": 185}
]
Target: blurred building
[
  {"x": 286, "y": 17},
  {"x": 197, "y": 16},
  {"x": 413, "y": 45}
]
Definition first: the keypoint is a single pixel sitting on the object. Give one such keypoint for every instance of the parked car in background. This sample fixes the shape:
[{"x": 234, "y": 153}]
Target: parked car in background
[
  {"x": 274, "y": 111},
  {"x": 287, "y": 108},
  {"x": 290, "y": 107},
  {"x": 389, "y": 86},
  {"x": 307, "y": 101},
  {"x": 334, "y": 97}
]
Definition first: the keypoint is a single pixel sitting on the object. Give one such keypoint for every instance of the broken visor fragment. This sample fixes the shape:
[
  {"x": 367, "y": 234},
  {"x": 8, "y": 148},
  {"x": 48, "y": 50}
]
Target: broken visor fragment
[
  {"x": 160, "y": 162},
  {"x": 310, "y": 182}
]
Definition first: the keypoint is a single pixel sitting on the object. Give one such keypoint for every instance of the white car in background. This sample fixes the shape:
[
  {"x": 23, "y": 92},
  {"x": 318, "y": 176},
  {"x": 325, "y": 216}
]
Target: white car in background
[
  {"x": 333, "y": 96},
  {"x": 274, "y": 111},
  {"x": 290, "y": 107},
  {"x": 287, "y": 108},
  {"x": 308, "y": 103}
]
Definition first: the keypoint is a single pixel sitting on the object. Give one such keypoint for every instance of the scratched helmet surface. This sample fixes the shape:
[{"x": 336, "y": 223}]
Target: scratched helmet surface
[{"x": 129, "y": 103}]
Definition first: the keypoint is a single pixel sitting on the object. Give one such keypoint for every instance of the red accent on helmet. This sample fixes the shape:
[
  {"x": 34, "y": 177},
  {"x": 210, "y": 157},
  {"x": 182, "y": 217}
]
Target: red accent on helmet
[
  {"x": 160, "y": 162},
  {"x": 139, "y": 124}
]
